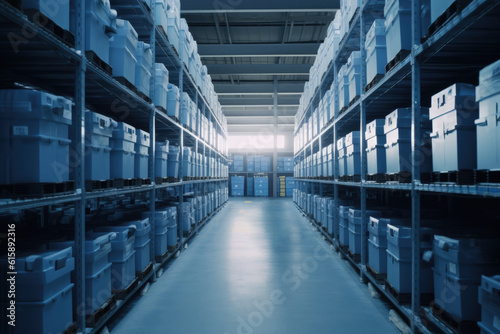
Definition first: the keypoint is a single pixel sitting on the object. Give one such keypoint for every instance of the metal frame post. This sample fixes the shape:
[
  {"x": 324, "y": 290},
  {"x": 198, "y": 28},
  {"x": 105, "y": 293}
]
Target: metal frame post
[
  {"x": 275, "y": 128},
  {"x": 335, "y": 157},
  {"x": 362, "y": 106}
]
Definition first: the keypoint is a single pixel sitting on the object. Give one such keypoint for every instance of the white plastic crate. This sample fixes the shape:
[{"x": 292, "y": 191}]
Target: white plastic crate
[
  {"x": 141, "y": 154},
  {"x": 122, "y": 48},
  {"x": 161, "y": 14},
  {"x": 37, "y": 124},
  {"x": 375, "y": 141},
  {"x": 58, "y": 11},
  {"x": 376, "y": 50},
  {"x": 144, "y": 67},
  {"x": 173, "y": 18},
  {"x": 353, "y": 153},
  {"x": 397, "y": 27},
  {"x": 453, "y": 134},
  {"x": 341, "y": 157},
  {"x": 161, "y": 86},
  {"x": 161, "y": 158},
  {"x": 354, "y": 75},
  {"x": 343, "y": 87},
  {"x": 98, "y": 131}
]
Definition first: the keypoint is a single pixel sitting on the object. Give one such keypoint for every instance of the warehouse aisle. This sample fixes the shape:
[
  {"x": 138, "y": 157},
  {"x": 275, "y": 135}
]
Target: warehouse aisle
[{"x": 258, "y": 267}]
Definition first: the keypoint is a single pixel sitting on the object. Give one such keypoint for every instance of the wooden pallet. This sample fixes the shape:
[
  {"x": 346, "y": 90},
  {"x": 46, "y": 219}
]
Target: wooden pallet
[
  {"x": 458, "y": 326},
  {"x": 379, "y": 178},
  {"x": 377, "y": 276},
  {"x": 27, "y": 190},
  {"x": 350, "y": 178},
  {"x": 38, "y": 18},
  {"x": 401, "y": 177},
  {"x": 93, "y": 58},
  {"x": 399, "y": 58},
  {"x": 456, "y": 7},
  {"x": 71, "y": 329},
  {"x": 126, "y": 83},
  {"x": 93, "y": 319},
  {"x": 122, "y": 294},
  {"x": 355, "y": 257},
  {"x": 486, "y": 176},
  {"x": 142, "y": 274},
  {"x": 143, "y": 182},
  {"x": 461, "y": 177},
  {"x": 375, "y": 81},
  {"x": 173, "y": 179},
  {"x": 93, "y": 185}
]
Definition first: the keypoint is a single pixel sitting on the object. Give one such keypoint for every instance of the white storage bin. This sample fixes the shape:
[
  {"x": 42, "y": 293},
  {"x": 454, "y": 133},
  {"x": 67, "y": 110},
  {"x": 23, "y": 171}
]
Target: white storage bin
[
  {"x": 343, "y": 87},
  {"x": 141, "y": 154},
  {"x": 161, "y": 86},
  {"x": 397, "y": 27},
  {"x": 341, "y": 157},
  {"x": 122, "y": 47},
  {"x": 58, "y": 11},
  {"x": 173, "y": 18},
  {"x": 353, "y": 150},
  {"x": 173, "y": 101},
  {"x": 375, "y": 141},
  {"x": 144, "y": 68},
  {"x": 376, "y": 50},
  {"x": 161, "y": 14},
  {"x": 354, "y": 75}
]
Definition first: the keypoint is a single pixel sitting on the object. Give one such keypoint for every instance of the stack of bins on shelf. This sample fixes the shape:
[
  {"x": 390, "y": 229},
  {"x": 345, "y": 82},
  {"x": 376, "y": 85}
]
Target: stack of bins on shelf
[
  {"x": 250, "y": 186},
  {"x": 344, "y": 225},
  {"x": 161, "y": 229},
  {"x": 354, "y": 75},
  {"x": 490, "y": 303},
  {"x": 458, "y": 264},
  {"x": 43, "y": 291},
  {"x": 98, "y": 133},
  {"x": 375, "y": 150},
  {"x": 289, "y": 186},
  {"x": 172, "y": 227},
  {"x": 237, "y": 186},
  {"x": 355, "y": 228},
  {"x": 173, "y": 162},
  {"x": 123, "y": 152},
  {"x": 161, "y": 88},
  {"x": 186, "y": 163},
  {"x": 141, "y": 243},
  {"x": 184, "y": 210},
  {"x": 341, "y": 157},
  {"x": 238, "y": 163},
  {"x": 250, "y": 164},
  {"x": 141, "y": 154},
  {"x": 265, "y": 164},
  {"x": 143, "y": 69},
  {"x": 376, "y": 52},
  {"x": 261, "y": 186},
  {"x": 173, "y": 101},
  {"x": 122, "y": 49},
  {"x": 161, "y": 159},
  {"x": 353, "y": 154},
  {"x": 39, "y": 127},
  {"x": 122, "y": 255}
]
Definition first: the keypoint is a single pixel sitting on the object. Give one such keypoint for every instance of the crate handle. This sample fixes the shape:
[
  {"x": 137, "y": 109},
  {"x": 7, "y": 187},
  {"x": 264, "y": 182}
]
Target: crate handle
[
  {"x": 450, "y": 130},
  {"x": 481, "y": 121},
  {"x": 434, "y": 134},
  {"x": 60, "y": 263}
]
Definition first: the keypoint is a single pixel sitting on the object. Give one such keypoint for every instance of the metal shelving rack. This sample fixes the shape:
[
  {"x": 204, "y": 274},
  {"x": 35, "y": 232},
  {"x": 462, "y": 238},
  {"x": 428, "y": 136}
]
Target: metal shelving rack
[
  {"x": 432, "y": 65},
  {"x": 36, "y": 58}
]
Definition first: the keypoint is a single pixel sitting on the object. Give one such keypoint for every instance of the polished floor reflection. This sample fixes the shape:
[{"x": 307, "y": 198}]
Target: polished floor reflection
[{"x": 258, "y": 267}]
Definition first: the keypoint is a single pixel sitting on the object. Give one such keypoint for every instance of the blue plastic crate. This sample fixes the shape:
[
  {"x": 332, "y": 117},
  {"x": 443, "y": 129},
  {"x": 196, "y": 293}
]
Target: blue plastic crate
[
  {"x": 58, "y": 12},
  {"x": 453, "y": 134},
  {"x": 173, "y": 161},
  {"x": 184, "y": 210},
  {"x": 141, "y": 154},
  {"x": 344, "y": 225},
  {"x": 143, "y": 68},
  {"x": 52, "y": 315},
  {"x": 97, "y": 289},
  {"x": 161, "y": 14},
  {"x": 185, "y": 103},
  {"x": 173, "y": 101},
  {"x": 161, "y": 159},
  {"x": 488, "y": 131},
  {"x": 354, "y": 228},
  {"x": 375, "y": 141},
  {"x": 100, "y": 25},
  {"x": 121, "y": 246},
  {"x": 141, "y": 244},
  {"x": 397, "y": 27},
  {"x": 41, "y": 274},
  {"x": 438, "y": 7},
  {"x": 122, "y": 48},
  {"x": 161, "y": 87},
  {"x": 173, "y": 19},
  {"x": 458, "y": 266},
  {"x": 342, "y": 158},
  {"x": 37, "y": 124},
  {"x": 123, "y": 152},
  {"x": 250, "y": 186},
  {"x": 343, "y": 87},
  {"x": 123, "y": 272},
  {"x": 353, "y": 153},
  {"x": 354, "y": 74},
  {"x": 489, "y": 298},
  {"x": 376, "y": 50},
  {"x": 98, "y": 131}
]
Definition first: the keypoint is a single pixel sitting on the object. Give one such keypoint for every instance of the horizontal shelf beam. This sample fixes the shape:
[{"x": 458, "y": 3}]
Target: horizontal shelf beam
[
  {"x": 259, "y": 69},
  {"x": 259, "y": 50},
  {"x": 220, "y": 6},
  {"x": 234, "y": 101},
  {"x": 258, "y": 88}
]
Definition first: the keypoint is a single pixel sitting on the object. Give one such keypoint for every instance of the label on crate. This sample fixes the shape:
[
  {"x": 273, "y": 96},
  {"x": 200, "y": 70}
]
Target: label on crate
[
  {"x": 452, "y": 268},
  {"x": 496, "y": 322},
  {"x": 20, "y": 130}
]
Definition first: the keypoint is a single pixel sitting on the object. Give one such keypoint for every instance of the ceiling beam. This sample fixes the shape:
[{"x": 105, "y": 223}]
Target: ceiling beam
[
  {"x": 261, "y": 88},
  {"x": 259, "y": 120},
  {"x": 240, "y": 6},
  {"x": 261, "y": 113},
  {"x": 259, "y": 69},
  {"x": 268, "y": 101},
  {"x": 259, "y": 50}
]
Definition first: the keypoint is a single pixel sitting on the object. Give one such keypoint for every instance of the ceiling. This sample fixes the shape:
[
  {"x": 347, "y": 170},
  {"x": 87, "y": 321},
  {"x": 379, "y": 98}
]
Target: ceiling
[{"x": 252, "y": 48}]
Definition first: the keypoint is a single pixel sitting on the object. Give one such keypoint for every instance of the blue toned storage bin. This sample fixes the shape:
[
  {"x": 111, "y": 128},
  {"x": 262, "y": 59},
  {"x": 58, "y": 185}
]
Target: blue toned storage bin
[
  {"x": 173, "y": 161},
  {"x": 377, "y": 242},
  {"x": 161, "y": 229},
  {"x": 122, "y": 256},
  {"x": 186, "y": 162},
  {"x": 185, "y": 42},
  {"x": 122, "y": 47},
  {"x": 161, "y": 159},
  {"x": 489, "y": 298},
  {"x": 98, "y": 131},
  {"x": 397, "y": 131},
  {"x": 344, "y": 225},
  {"x": 56, "y": 11},
  {"x": 342, "y": 158},
  {"x": 399, "y": 259},
  {"x": 376, "y": 50},
  {"x": 354, "y": 75},
  {"x": 141, "y": 244},
  {"x": 355, "y": 227},
  {"x": 250, "y": 186},
  {"x": 453, "y": 134},
  {"x": 487, "y": 126},
  {"x": 141, "y": 154},
  {"x": 97, "y": 268},
  {"x": 343, "y": 87},
  {"x": 438, "y": 7},
  {"x": 173, "y": 18},
  {"x": 185, "y": 211},
  {"x": 353, "y": 150},
  {"x": 143, "y": 68},
  {"x": 184, "y": 109},
  {"x": 173, "y": 101},
  {"x": 100, "y": 25},
  {"x": 261, "y": 186},
  {"x": 375, "y": 150},
  {"x": 161, "y": 87},
  {"x": 36, "y": 124},
  {"x": 161, "y": 14},
  {"x": 123, "y": 151},
  {"x": 397, "y": 27},
  {"x": 458, "y": 266}
]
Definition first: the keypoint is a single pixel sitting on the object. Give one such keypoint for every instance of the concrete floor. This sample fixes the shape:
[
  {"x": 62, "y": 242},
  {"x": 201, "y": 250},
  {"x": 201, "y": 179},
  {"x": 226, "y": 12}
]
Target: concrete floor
[{"x": 257, "y": 267}]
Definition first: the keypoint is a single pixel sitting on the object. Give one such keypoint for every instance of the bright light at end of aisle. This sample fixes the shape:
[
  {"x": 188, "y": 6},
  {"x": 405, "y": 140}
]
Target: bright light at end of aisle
[{"x": 255, "y": 142}]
